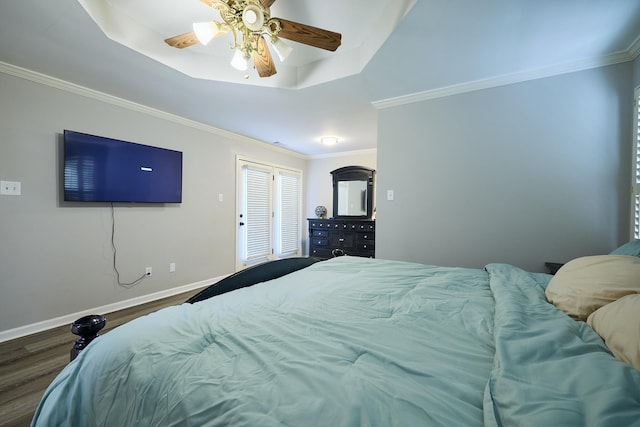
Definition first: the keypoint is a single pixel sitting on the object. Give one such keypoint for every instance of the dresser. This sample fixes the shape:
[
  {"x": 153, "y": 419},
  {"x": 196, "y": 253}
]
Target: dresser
[{"x": 335, "y": 237}]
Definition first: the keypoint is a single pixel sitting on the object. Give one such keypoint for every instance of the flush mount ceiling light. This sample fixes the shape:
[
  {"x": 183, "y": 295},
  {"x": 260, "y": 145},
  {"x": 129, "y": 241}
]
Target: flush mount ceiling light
[
  {"x": 251, "y": 24},
  {"x": 329, "y": 140}
]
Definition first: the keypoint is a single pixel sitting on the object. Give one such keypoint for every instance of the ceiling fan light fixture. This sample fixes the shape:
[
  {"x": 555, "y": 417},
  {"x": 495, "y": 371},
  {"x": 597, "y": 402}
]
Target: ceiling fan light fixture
[
  {"x": 282, "y": 49},
  {"x": 329, "y": 140},
  {"x": 252, "y": 27},
  {"x": 239, "y": 61},
  {"x": 207, "y": 31}
]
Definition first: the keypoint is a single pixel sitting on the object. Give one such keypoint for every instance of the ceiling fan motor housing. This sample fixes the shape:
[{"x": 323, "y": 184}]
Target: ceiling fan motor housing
[{"x": 253, "y": 17}]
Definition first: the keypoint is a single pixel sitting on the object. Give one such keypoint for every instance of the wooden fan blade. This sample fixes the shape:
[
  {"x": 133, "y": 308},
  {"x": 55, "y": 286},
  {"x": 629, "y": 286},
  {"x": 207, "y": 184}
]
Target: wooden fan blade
[
  {"x": 265, "y": 3},
  {"x": 262, "y": 59},
  {"x": 183, "y": 40},
  {"x": 312, "y": 36}
]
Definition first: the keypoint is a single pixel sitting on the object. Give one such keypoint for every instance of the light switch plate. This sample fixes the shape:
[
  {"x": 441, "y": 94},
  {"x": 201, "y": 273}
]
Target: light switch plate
[{"x": 10, "y": 188}]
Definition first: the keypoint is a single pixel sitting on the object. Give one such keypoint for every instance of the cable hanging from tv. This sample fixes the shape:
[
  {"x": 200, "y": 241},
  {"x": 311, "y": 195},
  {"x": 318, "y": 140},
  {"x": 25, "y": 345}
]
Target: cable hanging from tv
[{"x": 115, "y": 251}]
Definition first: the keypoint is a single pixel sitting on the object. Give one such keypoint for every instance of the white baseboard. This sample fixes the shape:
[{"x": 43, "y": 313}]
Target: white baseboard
[{"x": 109, "y": 308}]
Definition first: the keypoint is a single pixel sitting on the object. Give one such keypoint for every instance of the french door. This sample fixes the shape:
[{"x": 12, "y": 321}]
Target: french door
[{"x": 268, "y": 212}]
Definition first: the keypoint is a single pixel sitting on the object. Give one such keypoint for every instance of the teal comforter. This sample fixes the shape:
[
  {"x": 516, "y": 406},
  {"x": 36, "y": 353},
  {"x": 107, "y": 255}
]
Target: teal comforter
[{"x": 353, "y": 342}]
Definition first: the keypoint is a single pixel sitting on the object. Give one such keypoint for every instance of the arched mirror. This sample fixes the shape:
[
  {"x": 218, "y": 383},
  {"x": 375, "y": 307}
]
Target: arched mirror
[{"x": 353, "y": 192}]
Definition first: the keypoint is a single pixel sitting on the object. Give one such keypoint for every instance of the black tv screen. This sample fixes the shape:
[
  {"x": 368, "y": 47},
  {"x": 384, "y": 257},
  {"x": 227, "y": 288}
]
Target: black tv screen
[{"x": 99, "y": 169}]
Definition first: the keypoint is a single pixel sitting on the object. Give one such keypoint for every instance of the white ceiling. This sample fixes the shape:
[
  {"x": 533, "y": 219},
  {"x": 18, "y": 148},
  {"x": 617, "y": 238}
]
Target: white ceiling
[{"x": 440, "y": 45}]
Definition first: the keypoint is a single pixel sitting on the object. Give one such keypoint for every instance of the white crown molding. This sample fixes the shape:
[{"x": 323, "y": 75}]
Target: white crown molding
[
  {"x": 634, "y": 48},
  {"x": 343, "y": 154},
  {"x": 46, "y": 80},
  {"x": 105, "y": 309},
  {"x": 508, "y": 79}
]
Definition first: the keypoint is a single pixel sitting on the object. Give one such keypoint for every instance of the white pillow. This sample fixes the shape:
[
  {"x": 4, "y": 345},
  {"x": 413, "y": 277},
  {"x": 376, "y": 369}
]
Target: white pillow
[
  {"x": 585, "y": 284},
  {"x": 618, "y": 324}
]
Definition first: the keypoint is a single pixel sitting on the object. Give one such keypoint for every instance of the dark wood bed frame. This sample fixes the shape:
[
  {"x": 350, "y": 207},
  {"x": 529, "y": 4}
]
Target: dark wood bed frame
[
  {"x": 88, "y": 327},
  {"x": 250, "y": 276}
]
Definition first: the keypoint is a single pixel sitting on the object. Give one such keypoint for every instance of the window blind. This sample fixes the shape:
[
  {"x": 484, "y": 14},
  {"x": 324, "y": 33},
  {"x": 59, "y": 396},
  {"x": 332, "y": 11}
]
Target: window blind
[
  {"x": 289, "y": 213},
  {"x": 258, "y": 213}
]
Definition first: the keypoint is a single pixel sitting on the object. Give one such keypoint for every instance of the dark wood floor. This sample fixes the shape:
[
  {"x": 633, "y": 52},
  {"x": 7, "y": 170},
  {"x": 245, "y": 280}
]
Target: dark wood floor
[{"x": 29, "y": 364}]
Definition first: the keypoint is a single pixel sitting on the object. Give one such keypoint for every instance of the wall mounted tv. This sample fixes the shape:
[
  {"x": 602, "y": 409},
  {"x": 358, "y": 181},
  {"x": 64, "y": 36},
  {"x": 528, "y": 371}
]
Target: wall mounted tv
[{"x": 99, "y": 169}]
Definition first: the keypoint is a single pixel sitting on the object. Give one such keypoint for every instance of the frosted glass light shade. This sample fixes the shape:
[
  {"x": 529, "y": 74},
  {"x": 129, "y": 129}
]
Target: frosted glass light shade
[
  {"x": 206, "y": 31},
  {"x": 282, "y": 49},
  {"x": 239, "y": 62}
]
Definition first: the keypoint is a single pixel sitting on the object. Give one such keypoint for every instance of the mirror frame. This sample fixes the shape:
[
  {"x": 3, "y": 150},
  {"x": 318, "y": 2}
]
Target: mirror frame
[{"x": 354, "y": 173}]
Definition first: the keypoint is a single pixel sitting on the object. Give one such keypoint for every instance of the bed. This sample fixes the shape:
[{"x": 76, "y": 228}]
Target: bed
[{"x": 355, "y": 342}]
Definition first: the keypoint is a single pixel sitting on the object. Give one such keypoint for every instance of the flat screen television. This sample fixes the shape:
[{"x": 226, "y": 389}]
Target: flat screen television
[{"x": 99, "y": 169}]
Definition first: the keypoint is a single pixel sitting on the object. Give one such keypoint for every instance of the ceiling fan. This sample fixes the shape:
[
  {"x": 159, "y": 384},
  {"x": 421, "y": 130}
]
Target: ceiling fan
[{"x": 251, "y": 20}]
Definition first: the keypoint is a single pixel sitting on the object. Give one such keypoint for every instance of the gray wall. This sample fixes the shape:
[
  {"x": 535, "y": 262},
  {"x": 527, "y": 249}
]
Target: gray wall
[
  {"x": 56, "y": 259},
  {"x": 524, "y": 173}
]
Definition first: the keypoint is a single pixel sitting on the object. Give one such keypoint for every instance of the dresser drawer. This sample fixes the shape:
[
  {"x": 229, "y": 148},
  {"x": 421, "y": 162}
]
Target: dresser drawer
[
  {"x": 319, "y": 242},
  {"x": 366, "y": 236},
  {"x": 339, "y": 226},
  {"x": 366, "y": 246},
  {"x": 319, "y": 224},
  {"x": 321, "y": 253},
  {"x": 342, "y": 240},
  {"x": 320, "y": 233}
]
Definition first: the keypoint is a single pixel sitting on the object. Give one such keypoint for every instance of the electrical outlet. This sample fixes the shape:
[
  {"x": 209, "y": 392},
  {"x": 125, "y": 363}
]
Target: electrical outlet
[
  {"x": 172, "y": 267},
  {"x": 147, "y": 271}
]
